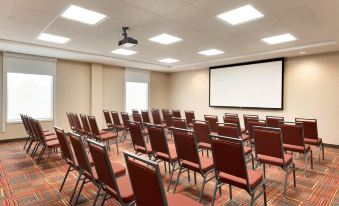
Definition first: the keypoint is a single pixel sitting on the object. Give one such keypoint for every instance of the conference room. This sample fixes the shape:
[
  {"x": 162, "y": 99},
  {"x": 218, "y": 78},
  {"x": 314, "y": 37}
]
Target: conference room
[{"x": 182, "y": 102}]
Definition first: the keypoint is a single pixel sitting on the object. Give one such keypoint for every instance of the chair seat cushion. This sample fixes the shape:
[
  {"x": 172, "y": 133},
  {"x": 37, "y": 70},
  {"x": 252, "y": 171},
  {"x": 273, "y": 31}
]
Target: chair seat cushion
[
  {"x": 296, "y": 148},
  {"x": 204, "y": 145},
  {"x": 165, "y": 157},
  {"x": 313, "y": 141},
  {"x": 247, "y": 150},
  {"x": 51, "y": 137},
  {"x": 53, "y": 143},
  {"x": 206, "y": 164},
  {"x": 142, "y": 149},
  {"x": 118, "y": 169},
  {"x": 125, "y": 189},
  {"x": 274, "y": 160},
  {"x": 254, "y": 179},
  {"x": 108, "y": 136},
  {"x": 179, "y": 199},
  {"x": 47, "y": 133}
]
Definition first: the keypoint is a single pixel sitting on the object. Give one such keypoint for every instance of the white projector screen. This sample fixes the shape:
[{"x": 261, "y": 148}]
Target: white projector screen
[{"x": 248, "y": 85}]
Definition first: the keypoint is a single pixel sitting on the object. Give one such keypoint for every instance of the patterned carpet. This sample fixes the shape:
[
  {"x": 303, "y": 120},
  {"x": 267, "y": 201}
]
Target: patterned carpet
[{"x": 24, "y": 183}]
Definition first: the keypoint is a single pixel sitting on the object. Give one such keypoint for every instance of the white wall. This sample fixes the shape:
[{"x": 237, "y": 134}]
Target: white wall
[{"x": 311, "y": 91}]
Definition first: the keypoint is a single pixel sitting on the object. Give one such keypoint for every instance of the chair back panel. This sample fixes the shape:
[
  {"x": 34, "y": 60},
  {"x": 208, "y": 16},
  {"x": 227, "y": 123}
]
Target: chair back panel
[
  {"x": 156, "y": 116},
  {"x": 213, "y": 122},
  {"x": 135, "y": 111},
  {"x": 292, "y": 134},
  {"x": 80, "y": 153},
  {"x": 201, "y": 131},
  {"x": 310, "y": 127},
  {"x": 176, "y": 113},
  {"x": 249, "y": 117},
  {"x": 168, "y": 120},
  {"x": 137, "y": 117},
  {"x": 85, "y": 123},
  {"x": 125, "y": 118},
  {"x": 107, "y": 117},
  {"x": 228, "y": 130},
  {"x": 70, "y": 120},
  {"x": 158, "y": 140},
  {"x": 145, "y": 116},
  {"x": 274, "y": 121},
  {"x": 186, "y": 146},
  {"x": 189, "y": 116},
  {"x": 76, "y": 121},
  {"x": 64, "y": 144},
  {"x": 179, "y": 123},
  {"x": 94, "y": 126},
  {"x": 231, "y": 115},
  {"x": 254, "y": 122},
  {"x": 115, "y": 117},
  {"x": 233, "y": 120},
  {"x": 268, "y": 142},
  {"x": 136, "y": 134}
]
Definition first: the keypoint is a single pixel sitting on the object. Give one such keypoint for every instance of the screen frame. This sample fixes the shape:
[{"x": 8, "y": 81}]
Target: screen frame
[{"x": 282, "y": 59}]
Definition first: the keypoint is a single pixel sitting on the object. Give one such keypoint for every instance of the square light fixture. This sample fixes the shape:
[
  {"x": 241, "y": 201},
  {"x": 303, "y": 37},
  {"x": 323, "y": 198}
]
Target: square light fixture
[
  {"x": 165, "y": 39},
  {"x": 279, "y": 39},
  {"x": 53, "y": 38},
  {"x": 82, "y": 15},
  {"x": 125, "y": 52},
  {"x": 168, "y": 60},
  {"x": 240, "y": 15},
  {"x": 211, "y": 52}
]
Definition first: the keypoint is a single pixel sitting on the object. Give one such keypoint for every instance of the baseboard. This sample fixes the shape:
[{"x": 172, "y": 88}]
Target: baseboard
[
  {"x": 13, "y": 140},
  {"x": 331, "y": 146}
]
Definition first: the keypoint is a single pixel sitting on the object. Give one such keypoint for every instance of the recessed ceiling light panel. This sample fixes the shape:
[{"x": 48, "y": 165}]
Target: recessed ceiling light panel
[
  {"x": 240, "y": 15},
  {"x": 82, "y": 15},
  {"x": 279, "y": 39},
  {"x": 124, "y": 52},
  {"x": 165, "y": 39},
  {"x": 53, "y": 38},
  {"x": 211, "y": 52},
  {"x": 168, "y": 60}
]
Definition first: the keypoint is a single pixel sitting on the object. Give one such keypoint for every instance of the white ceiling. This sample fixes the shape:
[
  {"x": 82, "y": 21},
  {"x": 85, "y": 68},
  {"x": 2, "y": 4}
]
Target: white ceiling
[{"x": 313, "y": 22}]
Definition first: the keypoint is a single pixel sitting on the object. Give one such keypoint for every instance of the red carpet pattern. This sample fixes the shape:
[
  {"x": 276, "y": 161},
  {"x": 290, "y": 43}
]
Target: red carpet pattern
[{"x": 25, "y": 183}]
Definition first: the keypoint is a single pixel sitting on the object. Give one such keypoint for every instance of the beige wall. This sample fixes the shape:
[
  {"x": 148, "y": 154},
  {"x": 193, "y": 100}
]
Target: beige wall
[
  {"x": 311, "y": 91},
  {"x": 159, "y": 97}
]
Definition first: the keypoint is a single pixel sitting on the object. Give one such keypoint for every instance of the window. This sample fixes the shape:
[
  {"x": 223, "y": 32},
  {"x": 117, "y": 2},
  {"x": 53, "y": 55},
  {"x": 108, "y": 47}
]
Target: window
[
  {"x": 30, "y": 94},
  {"x": 136, "y": 96}
]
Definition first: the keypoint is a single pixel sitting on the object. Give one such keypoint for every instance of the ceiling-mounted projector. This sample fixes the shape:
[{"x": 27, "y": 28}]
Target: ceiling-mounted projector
[{"x": 127, "y": 41}]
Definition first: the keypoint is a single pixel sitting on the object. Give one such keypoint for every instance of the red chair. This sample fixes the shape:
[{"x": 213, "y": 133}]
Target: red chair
[
  {"x": 77, "y": 124},
  {"x": 179, "y": 123},
  {"x": 293, "y": 140},
  {"x": 165, "y": 112},
  {"x": 157, "y": 118},
  {"x": 145, "y": 116},
  {"x": 176, "y": 113},
  {"x": 213, "y": 122},
  {"x": 230, "y": 168},
  {"x": 108, "y": 120},
  {"x": 147, "y": 184},
  {"x": 274, "y": 121},
  {"x": 235, "y": 120},
  {"x": 102, "y": 136},
  {"x": 161, "y": 150},
  {"x": 86, "y": 128},
  {"x": 311, "y": 134},
  {"x": 138, "y": 118},
  {"x": 189, "y": 115},
  {"x": 70, "y": 121},
  {"x": 118, "y": 188},
  {"x": 232, "y": 130},
  {"x": 269, "y": 150},
  {"x": 139, "y": 144},
  {"x": 231, "y": 115},
  {"x": 202, "y": 131},
  {"x": 254, "y": 122},
  {"x": 248, "y": 117},
  {"x": 135, "y": 111},
  {"x": 125, "y": 120},
  {"x": 189, "y": 159},
  {"x": 117, "y": 124}
]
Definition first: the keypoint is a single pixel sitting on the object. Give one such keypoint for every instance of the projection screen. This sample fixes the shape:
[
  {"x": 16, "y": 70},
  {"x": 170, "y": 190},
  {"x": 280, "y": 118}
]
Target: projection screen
[{"x": 247, "y": 85}]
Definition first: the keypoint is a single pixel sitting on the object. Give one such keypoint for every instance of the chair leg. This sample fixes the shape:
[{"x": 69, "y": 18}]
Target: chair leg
[
  {"x": 285, "y": 183},
  {"x": 311, "y": 160},
  {"x": 323, "y": 150},
  {"x": 207, "y": 153},
  {"x": 215, "y": 192},
  {"x": 63, "y": 182},
  {"x": 293, "y": 170},
  {"x": 195, "y": 178},
  {"x": 41, "y": 154},
  {"x": 230, "y": 188},
  {"x": 29, "y": 146},
  {"x": 116, "y": 143},
  {"x": 176, "y": 183},
  {"x": 97, "y": 196},
  {"x": 169, "y": 184},
  {"x": 75, "y": 188},
  {"x": 203, "y": 187},
  {"x": 188, "y": 175},
  {"x": 264, "y": 169},
  {"x": 81, "y": 186},
  {"x": 165, "y": 167},
  {"x": 265, "y": 197},
  {"x": 305, "y": 167},
  {"x": 252, "y": 161},
  {"x": 27, "y": 140},
  {"x": 252, "y": 199},
  {"x": 104, "y": 200}
]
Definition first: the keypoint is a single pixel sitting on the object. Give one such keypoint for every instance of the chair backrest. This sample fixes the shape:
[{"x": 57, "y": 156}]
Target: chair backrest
[
  {"x": 65, "y": 146},
  {"x": 248, "y": 117},
  {"x": 145, "y": 116},
  {"x": 231, "y": 115},
  {"x": 228, "y": 156},
  {"x": 189, "y": 115},
  {"x": 186, "y": 146},
  {"x": 268, "y": 141},
  {"x": 310, "y": 127},
  {"x": 81, "y": 154},
  {"x": 176, "y": 113},
  {"x": 94, "y": 126},
  {"x": 32, "y": 126},
  {"x": 273, "y": 121},
  {"x": 158, "y": 139},
  {"x": 115, "y": 117},
  {"x": 23, "y": 122},
  {"x": 254, "y": 122},
  {"x": 103, "y": 166},
  {"x": 168, "y": 120},
  {"x": 107, "y": 117},
  {"x": 137, "y": 118},
  {"x": 165, "y": 112},
  {"x": 76, "y": 121},
  {"x": 228, "y": 130},
  {"x": 233, "y": 120},
  {"x": 146, "y": 181},
  {"x": 292, "y": 133},
  {"x": 125, "y": 118},
  {"x": 179, "y": 123},
  {"x": 85, "y": 124},
  {"x": 135, "y": 130},
  {"x": 212, "y": 121},
  {"x": 39, "y": 132},
  {"x": 135, "y": 111},
  {"x": 202, "y": 131},
  {"x": 70, "y": 120},
  {"x": 156, "y": 116}
]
